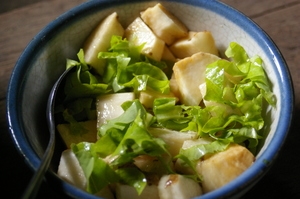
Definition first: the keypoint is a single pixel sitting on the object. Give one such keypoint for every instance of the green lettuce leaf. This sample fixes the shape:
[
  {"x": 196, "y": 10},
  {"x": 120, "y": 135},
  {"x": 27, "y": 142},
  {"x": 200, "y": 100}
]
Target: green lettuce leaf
[
  {"x": 196, "y": 152},
  {"x": 78, "y": 101},
  {"x": 133, "y": 138},
  {"x": 133, "y": 177},
  {"x": 82, "y": 83},
  {"x": 127, "y": 68},
  {"x": 137, "y": 141},
  {"x": 253, "y": 68},
  {"x": 235, "y": 92},
  {"x": 121, "y": 140},
  {"x": 97, "y": 172},
  {"x": 169, "y": 115}
]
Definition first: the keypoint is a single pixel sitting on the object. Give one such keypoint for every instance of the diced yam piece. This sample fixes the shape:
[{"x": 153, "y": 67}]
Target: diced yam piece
[
  {"x": 151, "y": 164},
  {"x": 70, "y": 170},
  {"x": 140, "y": 34},
  {"x": 169, "y": 59},
  {"x": 168, "y": 55},
  {"x": 129, "y": 192},
  {"x": 174, "y": 87},
  {"x": 68, "y": 137},
  {"x": 164, "y": 24},
  {"x": 99, "y": 40},
  {"x": 173, "y": 139},
  {"x": 180, "y": 165},
  {"x": 195, "y": 42},
  {"x": 176, "y": 186},
  {"x": 183, "y": 168},
  {"x": 106, "y": 193},
  {"x": 145, "y": 163},
  {"x": 147, "y": 97},
  {"x": 202, "y": 88},
  {"x": 190, "y": 143},
  {"x": 109, "y": 106},
  {"x": 189, "y": 74},
  {"x": 223, "y": 167}
]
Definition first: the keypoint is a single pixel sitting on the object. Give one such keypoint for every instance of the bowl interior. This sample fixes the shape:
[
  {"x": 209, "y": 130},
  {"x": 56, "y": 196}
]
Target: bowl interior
[{"x": 45, "y": 57}]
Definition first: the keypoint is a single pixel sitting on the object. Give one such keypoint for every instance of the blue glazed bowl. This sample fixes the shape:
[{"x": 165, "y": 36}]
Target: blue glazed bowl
[{"x": 43, "y": 61}]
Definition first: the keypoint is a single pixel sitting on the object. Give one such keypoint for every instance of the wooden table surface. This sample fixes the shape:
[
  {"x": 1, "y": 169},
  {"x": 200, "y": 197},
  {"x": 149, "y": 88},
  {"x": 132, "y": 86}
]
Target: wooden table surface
[{"x": 279, "y": 18}]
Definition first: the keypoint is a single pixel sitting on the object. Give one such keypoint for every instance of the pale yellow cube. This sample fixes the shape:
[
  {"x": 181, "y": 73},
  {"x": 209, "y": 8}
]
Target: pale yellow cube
[
  {"x": 189, "y": 74},
  {"x": 99, "y": 41},
  {"x": 140, "y": 34},
  {"x": 164, "y": 24},
  {"x": 195, "y": 42}
]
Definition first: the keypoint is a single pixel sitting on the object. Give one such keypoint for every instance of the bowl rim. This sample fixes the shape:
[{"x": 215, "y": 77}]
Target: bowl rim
[{"x": 266, "y": 43}]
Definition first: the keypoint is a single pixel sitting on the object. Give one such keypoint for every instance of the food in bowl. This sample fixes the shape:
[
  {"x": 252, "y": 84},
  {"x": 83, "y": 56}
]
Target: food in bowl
[{"x": 154, "y": 109}]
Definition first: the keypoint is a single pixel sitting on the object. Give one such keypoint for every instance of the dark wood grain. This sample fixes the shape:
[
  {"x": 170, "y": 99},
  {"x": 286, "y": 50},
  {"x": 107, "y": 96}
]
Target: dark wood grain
[
  {"x": 280, "y": 19},
  {"x": 256, "y": 8},
  {"x": 6, "y": 6},
  {"x": 16, "y": 32}
]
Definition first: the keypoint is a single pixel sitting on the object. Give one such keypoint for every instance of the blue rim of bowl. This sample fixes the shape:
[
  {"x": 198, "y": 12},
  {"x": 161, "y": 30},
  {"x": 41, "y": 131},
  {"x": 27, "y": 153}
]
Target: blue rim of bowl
[{"x": 249, "y": 177}]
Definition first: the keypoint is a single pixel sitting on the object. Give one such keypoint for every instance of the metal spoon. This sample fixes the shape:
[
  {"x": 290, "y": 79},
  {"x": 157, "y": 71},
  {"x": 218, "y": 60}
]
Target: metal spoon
[{"x": 35, "y": 182}]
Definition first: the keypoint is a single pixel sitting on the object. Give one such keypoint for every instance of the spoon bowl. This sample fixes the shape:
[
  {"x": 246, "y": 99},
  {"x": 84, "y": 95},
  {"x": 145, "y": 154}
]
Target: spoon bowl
[{"x": 35, "y": 182}]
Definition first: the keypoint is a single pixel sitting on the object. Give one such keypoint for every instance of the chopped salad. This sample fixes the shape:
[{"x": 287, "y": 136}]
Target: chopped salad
[{"x": 162, "y": 127}]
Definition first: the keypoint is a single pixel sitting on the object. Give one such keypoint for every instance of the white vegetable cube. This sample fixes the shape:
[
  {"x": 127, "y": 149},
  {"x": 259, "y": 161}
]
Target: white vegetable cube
[
  {"x": 195, "y": 42},
  {"x": 109, "y": 106},
  {"x": 173, "y": 139},
  {"x": 174, "y": 86},
  {"x": 189, "y": 73},
  {"x": 146, "y": 163},
  {"x": 180, "y": 165},
  {"x": 190, "y": 143},
  {"x": 164, "y": 24},
  {"x": 139, "y": 33},
  {"x": 223, "y": 167},
  {"x": 202, "y": 88},
  {"x": 176, "y": 186},
  {"x": 150, "y": 164},
  {"x": 99, "y": 40},
  {"x": 147, "y": 97},
  {"x": 168, "y": 55},
  {"x": 106, "y": 193},
  {"x": 129, "y": 192},
  {"x": 182, "y": 168},
  {"x": 69, "y": 137},
  {"x": 70, "y": 170}
]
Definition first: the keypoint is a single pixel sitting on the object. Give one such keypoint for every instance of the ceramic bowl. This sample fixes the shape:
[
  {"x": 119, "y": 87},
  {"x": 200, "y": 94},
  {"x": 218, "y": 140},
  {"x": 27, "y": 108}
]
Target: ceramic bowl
[{"x": 44, "y": 59}]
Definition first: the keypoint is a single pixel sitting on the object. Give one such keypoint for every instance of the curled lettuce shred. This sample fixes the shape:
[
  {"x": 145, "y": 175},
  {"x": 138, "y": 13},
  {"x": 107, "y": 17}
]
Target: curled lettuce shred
[
  {"x": 236, "y": 90},
  {"x": 127, "y": 68}
]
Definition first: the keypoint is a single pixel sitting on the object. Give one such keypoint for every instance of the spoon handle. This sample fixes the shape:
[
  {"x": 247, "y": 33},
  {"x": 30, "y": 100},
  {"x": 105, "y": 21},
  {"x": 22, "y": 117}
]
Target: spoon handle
[{"x": 34, "y": 184}]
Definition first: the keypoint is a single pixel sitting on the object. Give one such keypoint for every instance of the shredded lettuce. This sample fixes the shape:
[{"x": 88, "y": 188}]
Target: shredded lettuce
[
  {"x": 122, "y": 139},
  {"x": 133, "y": 177},
  {"x": 133, "y": 136},
  {"x": 97, "y": 172},
  {"x": 127, "y": 68},
  {"x": 196, "y": 152},
  {"x": 82, "y": 83},
  {"x": 235, "y": 91},
  {"x": 253, "y": 67},
  {"x": 80, "y": 89}
]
